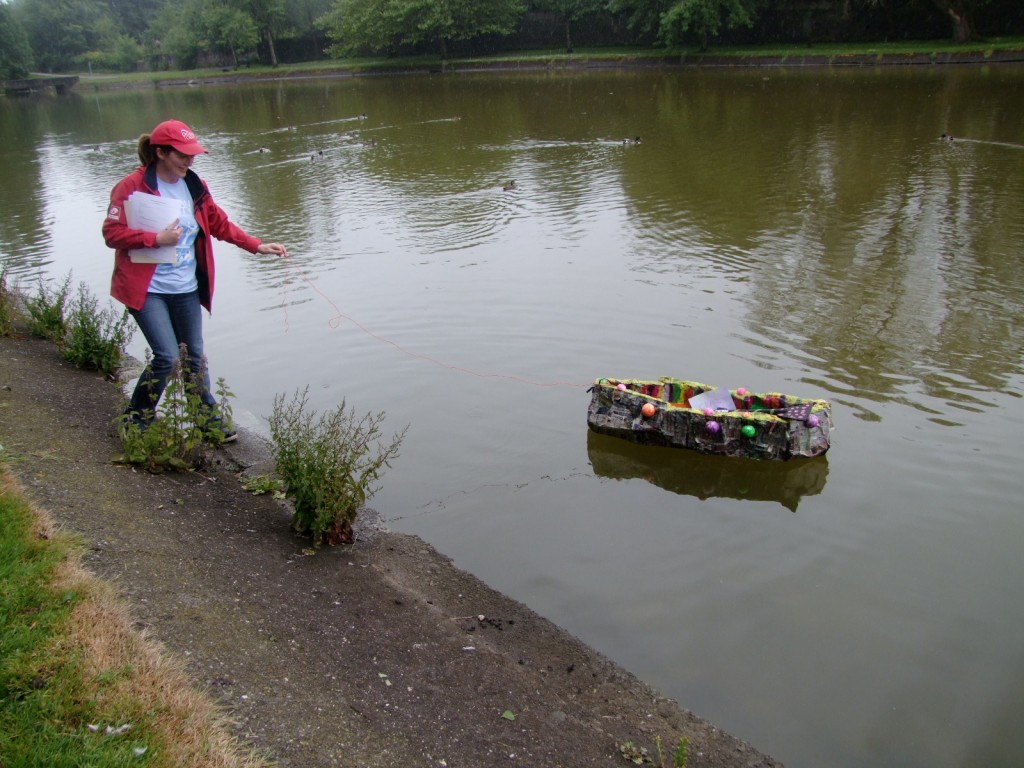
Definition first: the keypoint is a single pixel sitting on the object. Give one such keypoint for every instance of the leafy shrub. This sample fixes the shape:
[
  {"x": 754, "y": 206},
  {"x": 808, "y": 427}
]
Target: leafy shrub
[
  {"x": 8, "y": 305},
  {"x": 176, "y": 437},
  {"x": 329, "y": 464},
  {"x": 96, "y": 338},
  {"x": 46, "y": 310}
]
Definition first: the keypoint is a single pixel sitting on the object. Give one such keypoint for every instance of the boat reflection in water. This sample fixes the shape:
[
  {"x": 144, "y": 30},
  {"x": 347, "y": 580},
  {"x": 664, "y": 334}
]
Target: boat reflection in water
[{"x": 690, "y": 473}]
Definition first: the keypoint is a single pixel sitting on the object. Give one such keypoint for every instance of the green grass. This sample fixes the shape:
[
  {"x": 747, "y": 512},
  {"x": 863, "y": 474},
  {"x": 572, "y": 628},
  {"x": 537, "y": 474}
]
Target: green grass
[
  {"x": 903, "y": 48},
  {"x": 78, "y": 687},
  {"x": 911, "y": 47},
  {"x": 45, "y": 703},
  {"x": 327, "y": 67},
  {"x": 558, "y": 56}
]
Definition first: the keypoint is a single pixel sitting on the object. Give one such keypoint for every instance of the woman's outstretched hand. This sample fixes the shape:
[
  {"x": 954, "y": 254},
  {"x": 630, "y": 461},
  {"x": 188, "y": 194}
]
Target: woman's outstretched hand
[{"x": 275, "y": 248}]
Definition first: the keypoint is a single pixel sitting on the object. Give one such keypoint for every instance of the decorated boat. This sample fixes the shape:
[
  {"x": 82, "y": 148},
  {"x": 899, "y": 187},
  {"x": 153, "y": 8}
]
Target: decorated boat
[{"x": 716, "y": 420}]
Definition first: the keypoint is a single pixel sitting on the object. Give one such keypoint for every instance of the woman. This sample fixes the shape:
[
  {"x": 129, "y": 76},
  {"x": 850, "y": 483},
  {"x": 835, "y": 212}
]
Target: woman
[{"x": 166, "y": 299}]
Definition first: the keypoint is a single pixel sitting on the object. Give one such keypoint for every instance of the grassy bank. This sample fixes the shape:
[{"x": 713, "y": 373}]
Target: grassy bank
[
  {"x": 559, "y": 58},
  {"x": 78, "y": 686}
]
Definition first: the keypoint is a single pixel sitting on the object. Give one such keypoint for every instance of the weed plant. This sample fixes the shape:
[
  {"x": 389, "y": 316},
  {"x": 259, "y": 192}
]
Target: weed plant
[
  {"x": 329, "y": 463},
  {"x": 176, "y": 437},
  {"x": 96, "y": 338},
  {"x": 258, "y": 485},
  {"x": 8, "y": 305},
  {"x": 46, "y": 310},
  {"x": 87, "y": 336},
  {"x": 640, "y": 756},
  {"x": 681, "y": 753}
]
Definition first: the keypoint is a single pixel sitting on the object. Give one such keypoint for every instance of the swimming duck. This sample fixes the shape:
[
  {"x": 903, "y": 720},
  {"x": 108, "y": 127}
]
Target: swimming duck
[
  {"x": 510, "y": 186},
  {"x": 945, "y": 137}
]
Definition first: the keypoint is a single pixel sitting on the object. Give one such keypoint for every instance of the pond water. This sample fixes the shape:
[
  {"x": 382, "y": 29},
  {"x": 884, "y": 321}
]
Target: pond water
[{"x": 782, "y": 230}]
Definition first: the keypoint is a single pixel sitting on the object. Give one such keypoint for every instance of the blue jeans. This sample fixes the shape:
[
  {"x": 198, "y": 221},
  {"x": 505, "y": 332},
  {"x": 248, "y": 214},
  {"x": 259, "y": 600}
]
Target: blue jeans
[{"x": 167, "y": 320}]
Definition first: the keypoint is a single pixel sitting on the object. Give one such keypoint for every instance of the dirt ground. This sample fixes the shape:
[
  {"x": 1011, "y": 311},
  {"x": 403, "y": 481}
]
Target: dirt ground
[{"x": 381, "y": 653}]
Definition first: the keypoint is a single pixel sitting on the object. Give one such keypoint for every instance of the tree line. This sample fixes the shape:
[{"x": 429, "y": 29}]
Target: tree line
[{"x": 129, "y": 35}]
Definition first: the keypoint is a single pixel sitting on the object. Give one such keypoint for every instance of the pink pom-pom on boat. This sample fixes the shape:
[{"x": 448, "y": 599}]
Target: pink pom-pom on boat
[
  {"x": 812, "y": 421},
  {"x": 621, "y": 387},
  {"x": 741, "y": 391}
]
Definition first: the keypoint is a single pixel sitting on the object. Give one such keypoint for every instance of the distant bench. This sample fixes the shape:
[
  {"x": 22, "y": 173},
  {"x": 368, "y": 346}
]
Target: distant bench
[{"x": 33, "y": 84}]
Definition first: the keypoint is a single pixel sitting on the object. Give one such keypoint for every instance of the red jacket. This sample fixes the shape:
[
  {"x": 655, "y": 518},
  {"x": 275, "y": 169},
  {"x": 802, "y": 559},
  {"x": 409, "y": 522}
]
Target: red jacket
[{"x": 131, "y": 281}]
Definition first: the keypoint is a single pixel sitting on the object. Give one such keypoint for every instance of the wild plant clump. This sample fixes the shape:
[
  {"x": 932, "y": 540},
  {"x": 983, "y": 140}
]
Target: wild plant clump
[
  {"x": 329, "y": 463},
  {"x": 96, "y": 338},
  {"x": 87, "y": 336},
  {"x": 176, "y": 437},
  {"x": 46, "y": 310},
  {"x": 640, "y": 756},
  {"x": 8, "y": 305}
]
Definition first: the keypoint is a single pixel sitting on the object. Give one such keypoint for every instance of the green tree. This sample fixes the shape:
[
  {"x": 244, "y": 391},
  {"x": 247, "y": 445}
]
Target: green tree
[
  {"x": 15, "y": 51},
  {"x": 127, "y": 53},
  {"x": 571, "y": 11},
  {"x": 961, "y": 13},
  {"x": 176, "y": 35},
  {"x": 303, "y": 16},
  {"x": 134, "y": 16},
  {"x": 705, "y": 19},
  {"x": 60, "y": 31},
  {"x": 112, "y": 48},
  {"x": 180, "y": 33},
  {"x": 228, "y": 29},
  {"x": 269, "y": 17},
  {"x": 122, "y": 54},
  {"x": 353, "y": 26},
  {"x": 385, "y": 25},
  {"x": 642, "y": 16}
]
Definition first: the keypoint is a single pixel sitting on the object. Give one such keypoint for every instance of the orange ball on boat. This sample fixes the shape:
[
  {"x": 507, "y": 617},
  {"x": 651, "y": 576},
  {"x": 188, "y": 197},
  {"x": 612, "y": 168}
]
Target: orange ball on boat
[{"x": 648, "y": 410}]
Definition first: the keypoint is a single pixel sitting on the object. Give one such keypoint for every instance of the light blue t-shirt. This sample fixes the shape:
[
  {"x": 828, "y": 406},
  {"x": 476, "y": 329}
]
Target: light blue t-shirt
[{"x": 179, "y": 277}]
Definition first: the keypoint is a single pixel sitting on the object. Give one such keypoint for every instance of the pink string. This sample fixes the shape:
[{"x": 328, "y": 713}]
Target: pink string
[{"x": 339, "y": 317}]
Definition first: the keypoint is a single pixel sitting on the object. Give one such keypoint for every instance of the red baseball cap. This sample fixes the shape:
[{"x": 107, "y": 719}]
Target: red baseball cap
[{"x": 174, "y": 133}]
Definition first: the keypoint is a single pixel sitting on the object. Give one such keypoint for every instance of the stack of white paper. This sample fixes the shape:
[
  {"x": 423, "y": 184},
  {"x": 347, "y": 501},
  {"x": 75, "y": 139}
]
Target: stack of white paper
[{"x": 152, "y": 214}]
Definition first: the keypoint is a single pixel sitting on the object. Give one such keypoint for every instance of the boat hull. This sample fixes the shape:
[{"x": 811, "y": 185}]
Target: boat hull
[{"x": 753, "y": 429}]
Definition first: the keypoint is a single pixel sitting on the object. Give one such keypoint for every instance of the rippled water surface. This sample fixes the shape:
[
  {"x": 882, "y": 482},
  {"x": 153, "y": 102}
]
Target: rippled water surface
[{"x": 782, "y": 230}]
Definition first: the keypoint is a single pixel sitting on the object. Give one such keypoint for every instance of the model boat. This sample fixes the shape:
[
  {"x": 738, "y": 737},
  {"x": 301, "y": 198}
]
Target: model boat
[{"x": 716, "y": 420}]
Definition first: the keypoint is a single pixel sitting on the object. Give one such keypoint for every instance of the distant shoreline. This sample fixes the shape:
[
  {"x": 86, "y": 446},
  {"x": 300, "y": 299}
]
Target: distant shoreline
[{"x": 704, "y": 60}]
